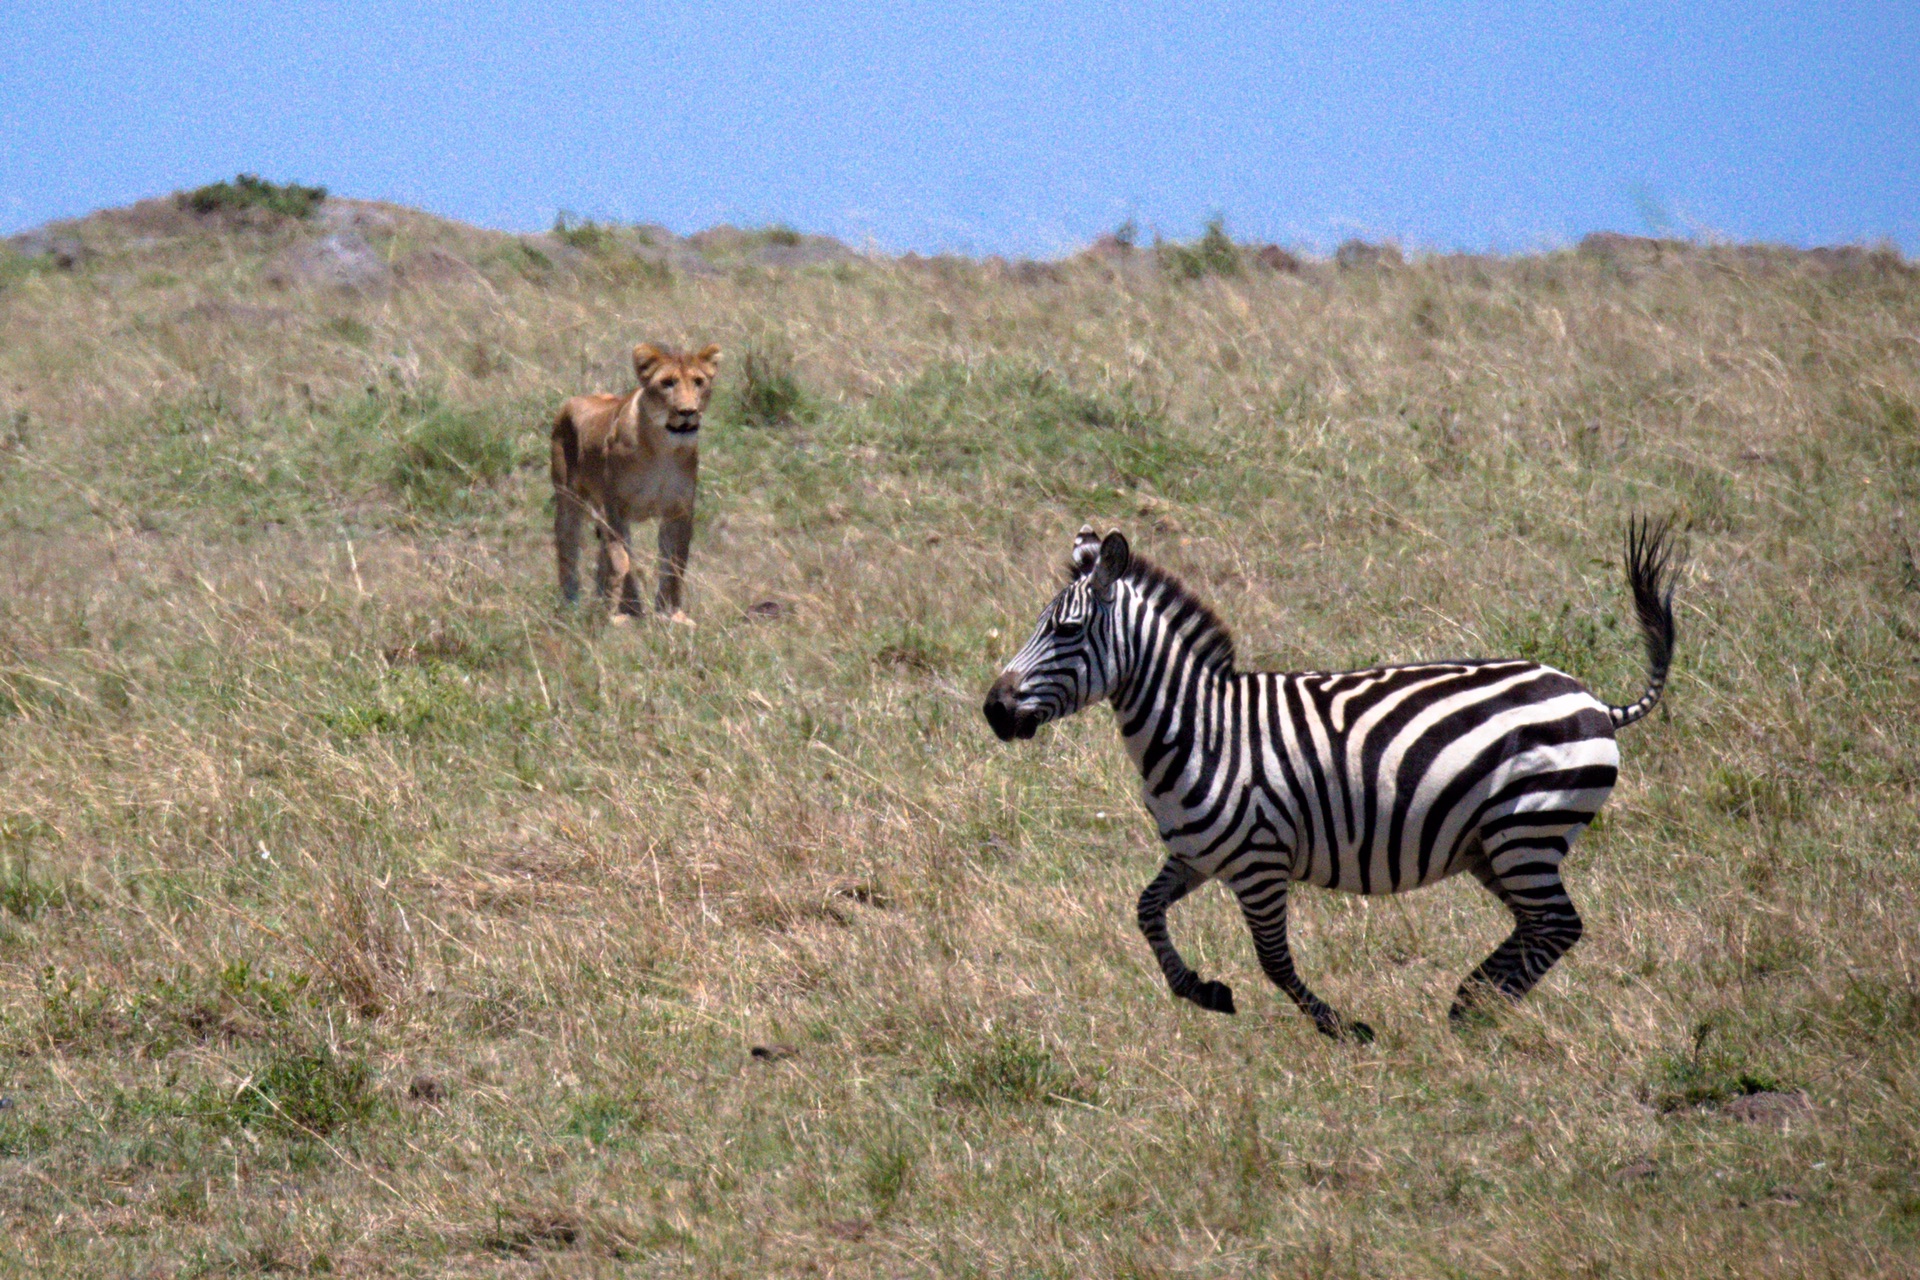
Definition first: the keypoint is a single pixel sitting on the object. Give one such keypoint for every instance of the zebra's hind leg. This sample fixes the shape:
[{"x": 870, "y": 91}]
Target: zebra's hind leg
[
  {"x": 1263, "y": 901},
  {"x": 1174, "y": 882},
  {"x": 1526, "y": 877}
]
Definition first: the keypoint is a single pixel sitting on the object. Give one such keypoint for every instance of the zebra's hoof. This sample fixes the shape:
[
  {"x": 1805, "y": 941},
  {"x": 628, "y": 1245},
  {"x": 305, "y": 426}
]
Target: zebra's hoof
[
  {"x": 1214, "y": 997},
  {"x": 1342, "y": 1029}
]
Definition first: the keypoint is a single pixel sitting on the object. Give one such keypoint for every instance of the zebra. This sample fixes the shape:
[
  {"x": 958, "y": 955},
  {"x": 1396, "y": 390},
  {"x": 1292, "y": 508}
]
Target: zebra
[{"x": 1373, "y": 781}]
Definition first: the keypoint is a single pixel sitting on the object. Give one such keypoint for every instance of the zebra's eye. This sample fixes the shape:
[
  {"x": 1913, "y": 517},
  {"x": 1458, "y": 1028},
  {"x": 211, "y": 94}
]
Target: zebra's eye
[{"x": 1068, "y": 630}]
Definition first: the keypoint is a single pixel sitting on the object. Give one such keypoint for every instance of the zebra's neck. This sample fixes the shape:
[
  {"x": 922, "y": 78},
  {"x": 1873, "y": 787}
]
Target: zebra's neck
[{"x": 1176, "y": 673}]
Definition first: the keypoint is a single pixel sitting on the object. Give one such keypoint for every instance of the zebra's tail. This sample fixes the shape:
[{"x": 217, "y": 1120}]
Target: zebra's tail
[{"x": 1651, "y": 565}]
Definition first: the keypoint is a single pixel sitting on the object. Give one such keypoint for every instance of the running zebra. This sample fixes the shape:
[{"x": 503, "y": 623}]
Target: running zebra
[{"x": 1374, "y": 781}]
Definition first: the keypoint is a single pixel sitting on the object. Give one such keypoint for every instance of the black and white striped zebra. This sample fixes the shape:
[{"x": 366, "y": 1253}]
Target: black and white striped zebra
[{"x": 1374, "y": 781}]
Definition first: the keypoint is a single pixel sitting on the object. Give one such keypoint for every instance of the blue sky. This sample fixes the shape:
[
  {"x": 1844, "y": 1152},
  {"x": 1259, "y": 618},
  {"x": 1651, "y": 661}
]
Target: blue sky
[{"x": 996, "y": 128}]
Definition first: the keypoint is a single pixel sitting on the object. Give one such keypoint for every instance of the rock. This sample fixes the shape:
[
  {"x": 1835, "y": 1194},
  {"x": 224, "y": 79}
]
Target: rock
[
  {"x": 65, "y": 250},
  {"x": 1356, "y": 254},
  {"x": 343, "y": 260},
  {"x": 864, "y": 892},
  {"x": 1273, "y": 258},
  {"x": 1638, "y": 1171},
  {"x": 426, "y": 1089}
]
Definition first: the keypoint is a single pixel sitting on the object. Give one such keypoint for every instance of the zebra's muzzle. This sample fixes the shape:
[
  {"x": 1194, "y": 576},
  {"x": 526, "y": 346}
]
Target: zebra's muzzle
[{"x": 1004, "y": 715}]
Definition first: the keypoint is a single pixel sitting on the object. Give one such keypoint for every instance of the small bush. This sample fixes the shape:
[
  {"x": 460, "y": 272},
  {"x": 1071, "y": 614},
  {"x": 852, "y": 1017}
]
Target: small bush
[
  {"x": 1213, "y": 254},
  {"x": 771, "y": 394},
  {"x": 584, "y": 234},
  {"x": 349, "y": 330},
  {"x": 249, "y": 191},
  {"x": 1012, "y": 1069},
  {"x": 886, "y": 1168},
  {"x": 601, "y": 1119},
  {"x": 311, "y": 1092},
  {"x": 1705, "y": 1078}
]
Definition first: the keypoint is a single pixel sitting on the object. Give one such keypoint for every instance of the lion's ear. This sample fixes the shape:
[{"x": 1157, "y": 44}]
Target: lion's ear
[
  {"x": 645, "y": 356},
  {"x": 708, "y": 355}
]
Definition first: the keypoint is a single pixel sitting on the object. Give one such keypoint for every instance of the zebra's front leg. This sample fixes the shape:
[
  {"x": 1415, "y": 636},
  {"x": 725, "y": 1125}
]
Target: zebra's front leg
[
  {"x": 1262, "y": 891},
  {"x": 1174, "y": 882}
]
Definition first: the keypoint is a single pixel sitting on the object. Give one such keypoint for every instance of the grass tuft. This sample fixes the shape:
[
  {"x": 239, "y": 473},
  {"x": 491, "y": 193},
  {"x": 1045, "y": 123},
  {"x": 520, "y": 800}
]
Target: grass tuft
[{"x": 770, "y": 392}]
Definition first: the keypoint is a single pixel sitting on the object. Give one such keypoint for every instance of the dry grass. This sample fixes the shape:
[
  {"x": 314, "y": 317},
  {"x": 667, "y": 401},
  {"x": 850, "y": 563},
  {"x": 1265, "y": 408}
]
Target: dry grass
[{"x": 362, "y": 913}]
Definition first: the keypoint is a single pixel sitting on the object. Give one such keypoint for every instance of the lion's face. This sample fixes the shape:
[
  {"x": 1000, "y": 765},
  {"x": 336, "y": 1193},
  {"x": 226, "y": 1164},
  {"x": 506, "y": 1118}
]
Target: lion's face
[{"x": 675, "y": 388}]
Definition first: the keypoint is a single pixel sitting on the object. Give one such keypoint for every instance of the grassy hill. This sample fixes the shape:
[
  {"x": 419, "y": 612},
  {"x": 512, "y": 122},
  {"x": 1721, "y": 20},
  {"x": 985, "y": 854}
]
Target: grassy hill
[{"x": 362, "y": 913}]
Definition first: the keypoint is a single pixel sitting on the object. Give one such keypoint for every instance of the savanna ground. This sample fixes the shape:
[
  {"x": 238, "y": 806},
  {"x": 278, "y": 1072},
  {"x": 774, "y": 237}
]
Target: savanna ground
[{"x": 362, "y": 912}]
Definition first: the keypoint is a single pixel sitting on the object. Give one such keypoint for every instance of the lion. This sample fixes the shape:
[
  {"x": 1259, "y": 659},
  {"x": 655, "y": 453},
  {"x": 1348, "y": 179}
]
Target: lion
[{"x": 617, "y": 459}]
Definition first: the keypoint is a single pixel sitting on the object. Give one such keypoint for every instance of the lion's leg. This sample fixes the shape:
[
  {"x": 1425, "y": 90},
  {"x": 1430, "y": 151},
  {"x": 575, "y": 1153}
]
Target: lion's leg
[
  {"x": 625, "y": 591},
  {"x": 676, "y": 539},
  {"x": 611, "y": 571},
  {"x": 566, "y": 541}
]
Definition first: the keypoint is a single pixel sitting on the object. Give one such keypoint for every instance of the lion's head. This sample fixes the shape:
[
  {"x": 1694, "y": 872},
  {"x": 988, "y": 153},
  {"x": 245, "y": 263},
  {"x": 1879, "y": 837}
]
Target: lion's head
[{"x": 674, "y": 389}]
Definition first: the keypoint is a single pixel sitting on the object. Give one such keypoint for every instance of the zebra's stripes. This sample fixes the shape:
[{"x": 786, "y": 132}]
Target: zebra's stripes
[{"x": 1375, "y": 781}]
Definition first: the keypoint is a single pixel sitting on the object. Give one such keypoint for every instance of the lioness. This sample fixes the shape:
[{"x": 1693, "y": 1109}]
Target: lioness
[{"x": 617, "y": 459}]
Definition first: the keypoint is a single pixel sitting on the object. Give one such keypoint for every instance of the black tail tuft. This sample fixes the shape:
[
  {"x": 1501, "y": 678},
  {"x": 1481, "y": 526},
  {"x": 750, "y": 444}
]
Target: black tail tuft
[{"x": 1652, "y": 563}]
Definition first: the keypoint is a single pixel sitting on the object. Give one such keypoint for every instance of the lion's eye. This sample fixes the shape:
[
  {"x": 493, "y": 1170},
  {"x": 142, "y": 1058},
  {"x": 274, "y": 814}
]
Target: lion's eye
[
  {"x": 667, "y": 383},
  {"x": 699, "y": 382}
]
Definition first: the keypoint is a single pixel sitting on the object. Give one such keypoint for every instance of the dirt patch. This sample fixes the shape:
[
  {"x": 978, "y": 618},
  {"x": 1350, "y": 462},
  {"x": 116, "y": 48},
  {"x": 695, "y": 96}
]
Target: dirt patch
[
  {"x": 434, "y": 266},
  {"x": 343, "y": 260},
  {"x": 1768, "y": 1107}
]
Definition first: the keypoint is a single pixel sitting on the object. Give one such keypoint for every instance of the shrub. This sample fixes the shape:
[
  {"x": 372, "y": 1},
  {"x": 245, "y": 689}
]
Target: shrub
[
  {"x": 771, "y": 394},
  {"x": 1213, "y": 254},
  {"x": 249, "y": 191},
  {"x": 584, "y": 234}
]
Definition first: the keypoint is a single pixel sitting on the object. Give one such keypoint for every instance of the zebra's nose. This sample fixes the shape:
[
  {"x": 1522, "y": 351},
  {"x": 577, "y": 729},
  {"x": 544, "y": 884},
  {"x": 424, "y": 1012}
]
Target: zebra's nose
[{"x": 1000, "y": 708}]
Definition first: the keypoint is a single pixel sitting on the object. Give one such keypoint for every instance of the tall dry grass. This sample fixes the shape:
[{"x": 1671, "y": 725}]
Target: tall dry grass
[{"x": 364, "y": 913}]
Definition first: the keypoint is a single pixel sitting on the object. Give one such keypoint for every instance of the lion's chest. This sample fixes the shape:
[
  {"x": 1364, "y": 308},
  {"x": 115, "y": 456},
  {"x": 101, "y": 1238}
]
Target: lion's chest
[{"x": 653, "y": 486}]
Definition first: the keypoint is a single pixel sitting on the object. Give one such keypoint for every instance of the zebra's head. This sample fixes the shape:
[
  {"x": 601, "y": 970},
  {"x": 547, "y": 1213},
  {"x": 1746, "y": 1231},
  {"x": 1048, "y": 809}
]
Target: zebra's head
[{"x": 1069, "y": 662}]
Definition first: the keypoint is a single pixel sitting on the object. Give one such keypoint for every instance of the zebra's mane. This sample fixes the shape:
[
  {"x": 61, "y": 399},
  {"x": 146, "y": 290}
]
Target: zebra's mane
[{"x": 1210, "y": 641}]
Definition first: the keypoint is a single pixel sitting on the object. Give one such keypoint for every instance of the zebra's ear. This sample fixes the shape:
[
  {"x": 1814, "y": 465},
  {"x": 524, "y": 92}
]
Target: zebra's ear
[
  {"x": 1086, "y": 550},
  {"x": 1115, "y": 557}
]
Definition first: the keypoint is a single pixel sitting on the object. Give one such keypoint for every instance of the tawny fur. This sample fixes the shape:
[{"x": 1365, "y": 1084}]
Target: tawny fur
[{"x": 618, "y": 459}]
